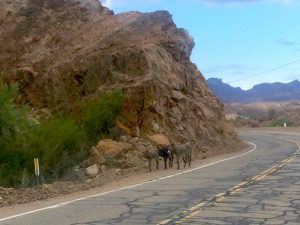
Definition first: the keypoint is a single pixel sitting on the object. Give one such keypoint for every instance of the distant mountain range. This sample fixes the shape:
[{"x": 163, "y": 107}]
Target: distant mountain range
[{"x": 266, "y": 92}]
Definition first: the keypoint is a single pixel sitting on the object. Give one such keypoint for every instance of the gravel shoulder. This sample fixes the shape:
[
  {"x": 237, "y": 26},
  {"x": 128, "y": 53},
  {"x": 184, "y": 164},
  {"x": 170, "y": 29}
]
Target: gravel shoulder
[{"x": 272, "y": 129}]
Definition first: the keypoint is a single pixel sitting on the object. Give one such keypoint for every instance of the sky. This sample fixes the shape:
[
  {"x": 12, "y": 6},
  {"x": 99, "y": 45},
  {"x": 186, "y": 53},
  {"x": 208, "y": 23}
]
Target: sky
[{"x": 243, "y": 42}]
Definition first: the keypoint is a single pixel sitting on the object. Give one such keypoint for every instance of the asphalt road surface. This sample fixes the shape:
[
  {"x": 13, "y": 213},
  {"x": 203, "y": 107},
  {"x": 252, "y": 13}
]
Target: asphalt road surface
[{"x": 261, "y": 186}]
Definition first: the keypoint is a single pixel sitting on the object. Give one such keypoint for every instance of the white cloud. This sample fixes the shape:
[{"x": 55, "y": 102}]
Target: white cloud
[
  {"x": 107, "y": 3},
  {"x": 213, "y": 2},
  {"x": 112, "y": 3}
]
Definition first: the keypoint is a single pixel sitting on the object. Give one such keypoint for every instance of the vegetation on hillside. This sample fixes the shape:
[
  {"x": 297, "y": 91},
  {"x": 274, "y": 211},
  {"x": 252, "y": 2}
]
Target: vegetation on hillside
[
  {"x": 272, "y": 118},
  {"x": 59, "y": 142}
]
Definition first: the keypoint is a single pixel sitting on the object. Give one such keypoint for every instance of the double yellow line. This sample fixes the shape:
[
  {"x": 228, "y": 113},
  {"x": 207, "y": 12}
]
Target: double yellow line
[{"x": 195, "y": 210}]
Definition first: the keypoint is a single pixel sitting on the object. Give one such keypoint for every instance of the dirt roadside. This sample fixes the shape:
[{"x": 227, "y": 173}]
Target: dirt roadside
[
  {"x": 121, "y": 181},
  {"x": 272, "y": 129}
]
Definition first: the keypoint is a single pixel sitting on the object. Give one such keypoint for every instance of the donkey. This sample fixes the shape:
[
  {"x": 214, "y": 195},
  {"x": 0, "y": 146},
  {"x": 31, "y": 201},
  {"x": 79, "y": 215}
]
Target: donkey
[
  {"x": 151, "y": 154},
  {"x": 166, "y": 154},
  {"x": 184, "y": 151}
]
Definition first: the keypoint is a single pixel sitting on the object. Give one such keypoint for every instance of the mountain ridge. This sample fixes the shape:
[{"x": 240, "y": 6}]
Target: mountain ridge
[{"x": 264, "y": 92}]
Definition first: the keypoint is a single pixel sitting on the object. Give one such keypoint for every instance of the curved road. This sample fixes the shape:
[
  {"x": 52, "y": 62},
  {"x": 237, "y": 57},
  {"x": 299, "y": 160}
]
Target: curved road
[{"x": 259, "y": 187}]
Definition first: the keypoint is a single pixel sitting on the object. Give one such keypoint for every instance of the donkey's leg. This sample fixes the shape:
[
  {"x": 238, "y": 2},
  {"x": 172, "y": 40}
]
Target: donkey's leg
[
  {"x": 170, "y": 161},
  {"x": 149, "y": 163},
  {"x": 184, "y": 158},
  {"x": 165, "y": 160}
]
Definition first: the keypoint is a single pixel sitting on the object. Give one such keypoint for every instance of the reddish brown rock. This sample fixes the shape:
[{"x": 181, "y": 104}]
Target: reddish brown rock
[
  {"x": 159, "y": 139},
  {"x": 110, "y": 147},
  {"x": 63, "y": 51}
]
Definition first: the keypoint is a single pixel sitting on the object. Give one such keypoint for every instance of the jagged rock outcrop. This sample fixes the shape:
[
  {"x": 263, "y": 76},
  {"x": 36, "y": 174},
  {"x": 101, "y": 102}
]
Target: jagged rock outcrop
[{"x": 64, "y": 50}]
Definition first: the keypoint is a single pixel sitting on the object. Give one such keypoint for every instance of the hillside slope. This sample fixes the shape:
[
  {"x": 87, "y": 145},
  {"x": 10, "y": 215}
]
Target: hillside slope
[
  {"x": 61, "y": 51},
  {"x": 266, "y": 113}
]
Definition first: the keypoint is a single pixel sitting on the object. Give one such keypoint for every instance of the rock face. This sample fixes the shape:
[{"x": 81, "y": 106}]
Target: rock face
[
  {"x": 159, "y": 139},
  {"x": 110, "y": 147},
  {"x": 64, "y": 50}
]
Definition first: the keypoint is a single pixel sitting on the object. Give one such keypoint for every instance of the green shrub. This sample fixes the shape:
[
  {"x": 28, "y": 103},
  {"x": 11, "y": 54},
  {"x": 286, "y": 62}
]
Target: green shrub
[
  {"x": 99, "y": 115},
  {"x": 279, "y": 122},
  {"x": 14, "y": 125},
  {"x": 58, "y": 143}
]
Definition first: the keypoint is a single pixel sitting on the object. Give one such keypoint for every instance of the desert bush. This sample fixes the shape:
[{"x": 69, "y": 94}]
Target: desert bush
[
  {"x": 59, "y": 144},
  {"x": 99, "y": 115},
  {"x": 14, "y": 125},
  {"x": 280, "y": 122}
]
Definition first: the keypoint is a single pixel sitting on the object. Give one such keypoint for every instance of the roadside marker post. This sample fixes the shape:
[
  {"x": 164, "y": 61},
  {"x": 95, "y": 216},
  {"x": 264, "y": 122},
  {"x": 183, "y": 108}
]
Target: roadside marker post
[{"x": 37, "y": 170}]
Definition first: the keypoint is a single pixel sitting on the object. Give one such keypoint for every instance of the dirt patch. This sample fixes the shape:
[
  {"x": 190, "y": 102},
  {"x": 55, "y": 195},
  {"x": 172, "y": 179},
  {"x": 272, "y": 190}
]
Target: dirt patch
[{"x": 272, "y": 129}]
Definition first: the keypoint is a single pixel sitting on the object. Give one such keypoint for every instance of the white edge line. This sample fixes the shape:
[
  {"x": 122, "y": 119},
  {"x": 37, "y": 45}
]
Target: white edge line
[{"x": 131, "y": 186}]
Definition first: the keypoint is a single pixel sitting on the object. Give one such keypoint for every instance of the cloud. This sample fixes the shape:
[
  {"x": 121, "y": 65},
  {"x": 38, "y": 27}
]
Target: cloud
[
  {"x": 111, "y": 3},
  {"x": 243, "y": 2},
  {"x": 285, "y": 42},
  {"x": 292, "y": 77},
  {"x": 107, "y": 3},
  {"x": 117, "y": 3},
  {"x": 297, "y": 50}
]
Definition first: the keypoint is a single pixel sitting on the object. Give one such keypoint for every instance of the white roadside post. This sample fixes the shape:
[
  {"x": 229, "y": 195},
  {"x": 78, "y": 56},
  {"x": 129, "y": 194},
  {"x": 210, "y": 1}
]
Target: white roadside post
[{"x": 37, "y": 170}]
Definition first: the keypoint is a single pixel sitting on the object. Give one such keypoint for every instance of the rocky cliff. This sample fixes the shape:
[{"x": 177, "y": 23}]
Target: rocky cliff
[{"x": 60, "y": 51}]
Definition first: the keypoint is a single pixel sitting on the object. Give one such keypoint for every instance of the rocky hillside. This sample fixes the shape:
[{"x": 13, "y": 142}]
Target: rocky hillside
[
  {"x": 266, "y": 92},
  {"x": 60, "y": 51},
  {"x": 265, "y": 113}
]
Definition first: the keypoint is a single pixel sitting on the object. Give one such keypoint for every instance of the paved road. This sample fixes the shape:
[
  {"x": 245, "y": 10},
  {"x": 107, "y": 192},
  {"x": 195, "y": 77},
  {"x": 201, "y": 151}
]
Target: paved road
[{"x": 261, "y": 187}]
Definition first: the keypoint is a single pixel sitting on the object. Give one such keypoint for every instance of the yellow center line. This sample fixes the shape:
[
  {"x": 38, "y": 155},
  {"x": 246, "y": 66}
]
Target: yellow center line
[
  {"x": 220, "y": 195},
  {"x": 256, "y": 177},
  {"x": 262, "y": 177},
  {"x": 235, "y": 191},
  {"x": 195, "y": 210},
  {"x": 198, "y": 206},
  {"x": 220, "y": 199}
]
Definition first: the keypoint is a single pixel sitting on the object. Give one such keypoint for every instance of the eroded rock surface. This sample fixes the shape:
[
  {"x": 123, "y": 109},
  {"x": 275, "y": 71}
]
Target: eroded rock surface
[{"x": 61, "y": 51}]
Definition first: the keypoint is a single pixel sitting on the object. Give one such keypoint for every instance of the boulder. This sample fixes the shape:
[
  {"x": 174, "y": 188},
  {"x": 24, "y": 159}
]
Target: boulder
[
  {"x": 177, "y": 95},
  {"x": 108, "y": 147},
  {"x": 103, "y": 168},
  {"x": 155, "y": 126},
  {"x": 95, "y": 157},
  {"x": 159, "y": 139},
  {"x": 92, "y": 171},
  {"x": 118, "y": 172}
]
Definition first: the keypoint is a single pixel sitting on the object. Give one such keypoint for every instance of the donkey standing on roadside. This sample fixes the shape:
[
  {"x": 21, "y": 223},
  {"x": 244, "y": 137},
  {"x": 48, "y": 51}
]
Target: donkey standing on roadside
[
  {"x": 184, "y": 151},
  {"x": 151, "y": 154},
  {"x": 166, "y": 154}
]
